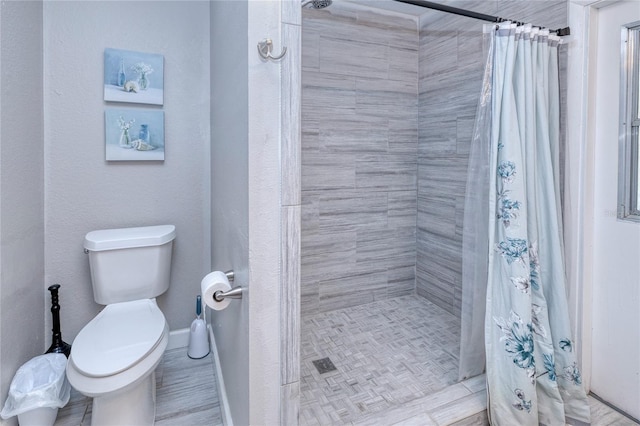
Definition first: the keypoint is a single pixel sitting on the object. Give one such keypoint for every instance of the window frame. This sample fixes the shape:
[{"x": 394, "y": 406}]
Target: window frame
[{"x": 629, "y": 137}]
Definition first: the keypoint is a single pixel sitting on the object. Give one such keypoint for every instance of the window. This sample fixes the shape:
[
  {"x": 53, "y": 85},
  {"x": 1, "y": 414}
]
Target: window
[{"x": 629, "y": 151}]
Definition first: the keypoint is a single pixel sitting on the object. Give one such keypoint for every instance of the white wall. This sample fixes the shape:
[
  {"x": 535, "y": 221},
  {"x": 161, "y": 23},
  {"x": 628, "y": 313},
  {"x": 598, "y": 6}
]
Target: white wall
[
  {"x": 615, "y": 348},
  {"x": 245, "y": 186},
  {"x": 229, "y": 192},
  {"x": 82, "y": 191},
  {"x": 22, "y": 292}
]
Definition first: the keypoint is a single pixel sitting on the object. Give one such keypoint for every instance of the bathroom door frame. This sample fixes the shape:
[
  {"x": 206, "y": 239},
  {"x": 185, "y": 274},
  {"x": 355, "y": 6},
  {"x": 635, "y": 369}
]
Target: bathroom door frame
[{"x": 579, "y": 174}]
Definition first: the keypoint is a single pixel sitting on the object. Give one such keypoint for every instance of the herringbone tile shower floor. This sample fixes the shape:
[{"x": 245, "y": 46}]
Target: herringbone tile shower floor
[{"x": 386, "y": 354}]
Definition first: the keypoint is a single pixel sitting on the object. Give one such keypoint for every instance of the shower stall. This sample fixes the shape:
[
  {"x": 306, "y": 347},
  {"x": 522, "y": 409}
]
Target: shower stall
[{"x": 389, "y": 99}]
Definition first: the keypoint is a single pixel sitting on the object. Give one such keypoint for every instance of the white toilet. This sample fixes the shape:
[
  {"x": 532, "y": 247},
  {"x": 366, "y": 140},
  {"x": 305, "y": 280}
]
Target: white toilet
[{"x": 113, "y": 358}]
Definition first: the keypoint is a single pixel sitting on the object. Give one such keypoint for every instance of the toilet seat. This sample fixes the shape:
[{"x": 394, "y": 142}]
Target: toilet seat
[
  {"x": 118, "y": 338},
  {"x": 98, "y": 387}
]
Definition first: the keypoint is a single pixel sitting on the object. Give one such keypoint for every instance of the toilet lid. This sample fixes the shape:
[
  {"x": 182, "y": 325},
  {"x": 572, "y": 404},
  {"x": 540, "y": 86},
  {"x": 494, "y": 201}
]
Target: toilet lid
[{"x": 118, "y": 337}]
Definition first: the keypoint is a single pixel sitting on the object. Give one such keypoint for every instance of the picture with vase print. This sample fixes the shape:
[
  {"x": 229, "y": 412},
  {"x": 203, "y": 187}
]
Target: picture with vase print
[
  {"x": 134, "y": 134},
  {"x": 133, "y": 77}
]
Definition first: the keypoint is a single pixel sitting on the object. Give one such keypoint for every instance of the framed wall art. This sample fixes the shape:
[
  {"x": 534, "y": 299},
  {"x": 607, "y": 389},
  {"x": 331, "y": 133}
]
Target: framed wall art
[
  {"x": 134, "y": 134},
  {"x": 135, "y": 77}
]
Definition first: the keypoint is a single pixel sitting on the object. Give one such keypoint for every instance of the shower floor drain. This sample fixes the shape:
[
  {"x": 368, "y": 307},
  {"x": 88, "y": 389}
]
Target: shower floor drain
[{"x": 324, "y": 365}]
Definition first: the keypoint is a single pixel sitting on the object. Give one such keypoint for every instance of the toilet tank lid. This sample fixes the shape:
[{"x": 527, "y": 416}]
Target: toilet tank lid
[{"x": 113, "y": 239}]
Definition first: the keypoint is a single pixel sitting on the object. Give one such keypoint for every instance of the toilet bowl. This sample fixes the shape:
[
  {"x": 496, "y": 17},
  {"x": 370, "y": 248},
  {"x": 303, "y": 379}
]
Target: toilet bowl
[{"x": 113, "y": 360}]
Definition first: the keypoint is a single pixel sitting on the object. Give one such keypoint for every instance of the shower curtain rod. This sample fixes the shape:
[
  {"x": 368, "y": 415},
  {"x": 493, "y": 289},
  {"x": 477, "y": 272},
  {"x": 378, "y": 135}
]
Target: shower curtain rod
[{"x": 470, "y": 14}]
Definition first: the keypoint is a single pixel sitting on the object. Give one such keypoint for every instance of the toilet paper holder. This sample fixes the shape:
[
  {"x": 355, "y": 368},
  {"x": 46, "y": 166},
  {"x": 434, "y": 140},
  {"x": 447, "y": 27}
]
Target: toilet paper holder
[{"x": 234, "y": 293}]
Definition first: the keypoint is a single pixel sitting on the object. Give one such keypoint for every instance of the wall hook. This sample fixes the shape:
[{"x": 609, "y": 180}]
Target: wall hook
[{"x": 265, "y": 47}]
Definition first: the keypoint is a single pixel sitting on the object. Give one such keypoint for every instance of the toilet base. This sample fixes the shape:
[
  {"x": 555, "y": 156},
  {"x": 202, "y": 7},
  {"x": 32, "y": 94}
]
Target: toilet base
[{"x": 132, "y": 406}]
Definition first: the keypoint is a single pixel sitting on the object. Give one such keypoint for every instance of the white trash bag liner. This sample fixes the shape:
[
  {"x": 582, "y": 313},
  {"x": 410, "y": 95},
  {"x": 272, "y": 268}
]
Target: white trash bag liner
[{"x": 39, "y": 383}]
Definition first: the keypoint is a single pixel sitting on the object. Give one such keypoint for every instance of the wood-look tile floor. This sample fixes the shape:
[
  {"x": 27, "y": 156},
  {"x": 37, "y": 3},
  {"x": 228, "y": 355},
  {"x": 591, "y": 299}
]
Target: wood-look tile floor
[{"x": 186, "y": 394}]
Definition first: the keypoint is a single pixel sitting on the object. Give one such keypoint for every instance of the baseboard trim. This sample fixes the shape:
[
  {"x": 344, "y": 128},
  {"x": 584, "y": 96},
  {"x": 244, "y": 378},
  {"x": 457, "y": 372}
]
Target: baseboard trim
[
  {"x": 222, "y": 392},
  {"x": 178, "y": 339}
]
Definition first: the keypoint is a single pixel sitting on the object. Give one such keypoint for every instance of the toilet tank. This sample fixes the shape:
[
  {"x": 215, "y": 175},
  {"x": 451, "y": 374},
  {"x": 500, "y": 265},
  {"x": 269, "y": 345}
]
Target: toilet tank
[{"x": 129, "y": 263}]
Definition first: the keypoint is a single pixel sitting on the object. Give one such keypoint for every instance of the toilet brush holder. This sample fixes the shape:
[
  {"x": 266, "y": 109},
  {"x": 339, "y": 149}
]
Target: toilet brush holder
[
  {"x": 198, "y": 335},
  {"x": 57, "y": 344}
]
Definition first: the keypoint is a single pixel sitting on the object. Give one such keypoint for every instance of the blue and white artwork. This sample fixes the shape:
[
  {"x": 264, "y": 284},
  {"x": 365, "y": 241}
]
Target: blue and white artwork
[
  {"x": 134, "y": 134},
  {"x": 133, "y": 77}
]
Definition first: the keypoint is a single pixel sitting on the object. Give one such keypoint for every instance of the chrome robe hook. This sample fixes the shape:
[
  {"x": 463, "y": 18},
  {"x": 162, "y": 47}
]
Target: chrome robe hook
[{"x": 264, "y": 50}]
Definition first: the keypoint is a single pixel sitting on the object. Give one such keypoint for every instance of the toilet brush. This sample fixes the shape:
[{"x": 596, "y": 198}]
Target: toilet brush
[
  {"x": 57, "y": 344},
  {"x": 198, "y": 336}
]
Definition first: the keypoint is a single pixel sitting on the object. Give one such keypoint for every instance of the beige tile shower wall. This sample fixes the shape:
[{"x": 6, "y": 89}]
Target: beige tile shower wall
[
  {"x": 359, "y": 156},
  {"x": 451, "y": 66}
]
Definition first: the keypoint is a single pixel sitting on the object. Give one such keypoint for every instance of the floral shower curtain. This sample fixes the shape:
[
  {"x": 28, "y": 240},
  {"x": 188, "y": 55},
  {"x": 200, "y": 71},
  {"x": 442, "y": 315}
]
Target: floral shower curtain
[{"x": 532, "y": 373}]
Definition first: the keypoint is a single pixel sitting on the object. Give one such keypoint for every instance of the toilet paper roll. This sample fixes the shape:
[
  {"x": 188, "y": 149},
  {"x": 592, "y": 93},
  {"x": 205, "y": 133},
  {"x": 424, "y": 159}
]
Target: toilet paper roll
[{"x": 212, "y": 282}]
